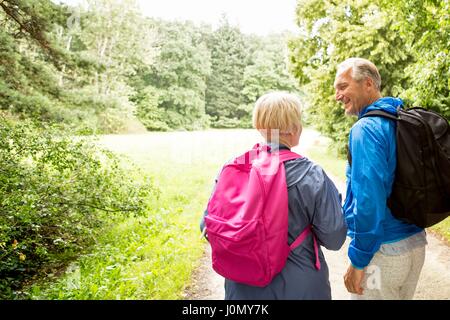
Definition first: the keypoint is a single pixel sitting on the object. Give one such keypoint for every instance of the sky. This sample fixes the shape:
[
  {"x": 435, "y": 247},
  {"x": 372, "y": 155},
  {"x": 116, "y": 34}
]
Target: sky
[{"x": 252, "y": 16}]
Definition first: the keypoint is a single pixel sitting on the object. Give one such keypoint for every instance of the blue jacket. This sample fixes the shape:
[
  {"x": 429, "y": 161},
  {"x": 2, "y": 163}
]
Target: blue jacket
[{"x": 372, "y": 146}]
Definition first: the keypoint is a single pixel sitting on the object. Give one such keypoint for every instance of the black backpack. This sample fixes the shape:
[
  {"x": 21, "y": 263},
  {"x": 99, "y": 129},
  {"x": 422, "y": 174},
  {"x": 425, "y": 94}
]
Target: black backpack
[{"x": 421, "y": 190}]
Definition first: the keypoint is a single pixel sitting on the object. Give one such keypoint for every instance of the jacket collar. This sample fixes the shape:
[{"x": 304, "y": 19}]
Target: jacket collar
[{"x": 388, "y": 104}]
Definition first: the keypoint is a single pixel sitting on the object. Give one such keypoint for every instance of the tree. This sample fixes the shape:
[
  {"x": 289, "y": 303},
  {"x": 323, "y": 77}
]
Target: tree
[
  {"x": 333, "y": 32},
  {"x": 225, "y": 83},
  {"x": 32, "y": 19},
  {"x": 427, "y": 29},
  {"x": 29, "y": 59},
  {"x": 267, "y": 71},
  {"x": 176, "y": 81},
  {"x": 116, "y": 37},
  {"x": 76, "y": 74}
]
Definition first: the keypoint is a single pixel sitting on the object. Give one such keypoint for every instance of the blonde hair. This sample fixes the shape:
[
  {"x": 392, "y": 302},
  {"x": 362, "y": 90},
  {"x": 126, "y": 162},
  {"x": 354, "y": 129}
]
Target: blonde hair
[
  {"x": 277, "y": 111},
  {"x": 361, "y": 69}
]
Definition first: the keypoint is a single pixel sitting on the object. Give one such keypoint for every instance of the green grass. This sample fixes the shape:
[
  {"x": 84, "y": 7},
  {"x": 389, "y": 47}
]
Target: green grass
[
  {"x": 152, "y": 257},
  {"x": 443, "y": 229},
  {"x": 328, "y": 160},
  {"x": 142, "y": 257}
]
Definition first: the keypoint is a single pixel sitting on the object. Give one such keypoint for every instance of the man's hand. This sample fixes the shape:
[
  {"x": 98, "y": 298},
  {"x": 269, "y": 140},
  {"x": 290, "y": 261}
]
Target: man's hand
[{"x": 353, "y": 279}]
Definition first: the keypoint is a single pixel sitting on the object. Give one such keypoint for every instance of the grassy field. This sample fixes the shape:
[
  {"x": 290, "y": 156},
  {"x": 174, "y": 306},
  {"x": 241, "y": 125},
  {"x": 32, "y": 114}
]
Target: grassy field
[
  {"x": 153, "y": 257},
  {"x": 327, "y": 159}
]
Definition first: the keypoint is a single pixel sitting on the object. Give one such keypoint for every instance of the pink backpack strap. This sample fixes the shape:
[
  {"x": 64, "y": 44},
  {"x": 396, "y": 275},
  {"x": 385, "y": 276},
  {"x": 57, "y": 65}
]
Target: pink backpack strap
[
  {"x": 286, "y": 155},
  {"x": 301, "y": 238}
]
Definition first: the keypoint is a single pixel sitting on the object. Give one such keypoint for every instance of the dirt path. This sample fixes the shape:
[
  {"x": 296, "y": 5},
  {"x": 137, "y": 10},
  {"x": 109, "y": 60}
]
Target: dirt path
[{"x": 434, "y": 282}]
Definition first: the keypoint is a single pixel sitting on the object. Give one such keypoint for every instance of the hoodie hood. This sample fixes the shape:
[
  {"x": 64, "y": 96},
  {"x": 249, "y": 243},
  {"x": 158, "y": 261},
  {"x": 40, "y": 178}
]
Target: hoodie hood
[{"x": 387, "y": 104}]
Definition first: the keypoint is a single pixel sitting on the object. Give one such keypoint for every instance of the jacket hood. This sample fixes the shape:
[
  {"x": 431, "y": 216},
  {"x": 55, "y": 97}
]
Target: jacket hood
[{"x": 387, "y": 104}]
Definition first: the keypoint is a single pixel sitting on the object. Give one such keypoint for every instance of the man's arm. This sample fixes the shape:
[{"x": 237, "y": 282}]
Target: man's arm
[
  {"x": 368, "y": 176},
  {"x": 369, "y": 172}
]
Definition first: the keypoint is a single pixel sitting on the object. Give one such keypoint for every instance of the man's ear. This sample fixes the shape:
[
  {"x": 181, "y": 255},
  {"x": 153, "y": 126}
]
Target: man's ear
[{"x": 369, "y": 83}]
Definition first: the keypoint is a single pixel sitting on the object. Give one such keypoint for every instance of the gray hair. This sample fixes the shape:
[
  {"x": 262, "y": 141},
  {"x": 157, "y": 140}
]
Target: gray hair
[{"x": 361, "y": 69}]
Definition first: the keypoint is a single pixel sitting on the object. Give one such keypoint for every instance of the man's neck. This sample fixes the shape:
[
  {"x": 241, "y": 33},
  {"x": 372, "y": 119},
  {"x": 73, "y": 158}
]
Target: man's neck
[{"x": 374, "y": 97}]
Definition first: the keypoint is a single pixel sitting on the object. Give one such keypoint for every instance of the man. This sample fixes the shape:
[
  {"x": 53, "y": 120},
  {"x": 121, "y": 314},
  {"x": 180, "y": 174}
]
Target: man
[{"x": 386, "y": 254}]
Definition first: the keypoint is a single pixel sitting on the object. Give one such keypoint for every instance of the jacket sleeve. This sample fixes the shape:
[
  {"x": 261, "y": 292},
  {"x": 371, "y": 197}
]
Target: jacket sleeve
[
  {"x": 205, "y": 213},
  {"x": 328, "y": 220},
  {"x": 202, "y": 221},
  {"x": 368, "y": 176}
]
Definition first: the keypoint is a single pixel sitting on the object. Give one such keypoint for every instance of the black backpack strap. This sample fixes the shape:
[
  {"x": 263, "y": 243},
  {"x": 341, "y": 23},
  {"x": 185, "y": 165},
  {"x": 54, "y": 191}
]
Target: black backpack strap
[
  {"x": 373, "y": 113},
  {"x": 349, "y": 155},
  {"x": 380, "y": 113}
]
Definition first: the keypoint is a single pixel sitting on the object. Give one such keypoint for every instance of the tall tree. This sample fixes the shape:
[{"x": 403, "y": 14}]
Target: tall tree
[
  {"x": 225, "y": 84},
  {"x": 114, "y": 35},
  {"x": 29, "y": 59},
  {"x": 269, "y": 69},
  {"x": 32, "y": 19}
]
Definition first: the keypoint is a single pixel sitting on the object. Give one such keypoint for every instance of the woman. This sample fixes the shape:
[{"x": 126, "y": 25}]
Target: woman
[{"x": 312, "y": 200}]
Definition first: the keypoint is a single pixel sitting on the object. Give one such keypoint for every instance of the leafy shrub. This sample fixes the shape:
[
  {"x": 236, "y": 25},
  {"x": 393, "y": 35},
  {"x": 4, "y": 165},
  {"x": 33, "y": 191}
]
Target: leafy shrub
[{"x": 56, "y": 192}]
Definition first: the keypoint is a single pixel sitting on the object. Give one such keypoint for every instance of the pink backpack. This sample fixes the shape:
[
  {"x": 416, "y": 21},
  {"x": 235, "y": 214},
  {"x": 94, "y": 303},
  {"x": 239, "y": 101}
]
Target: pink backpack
[{"x": 247, "y": 220}]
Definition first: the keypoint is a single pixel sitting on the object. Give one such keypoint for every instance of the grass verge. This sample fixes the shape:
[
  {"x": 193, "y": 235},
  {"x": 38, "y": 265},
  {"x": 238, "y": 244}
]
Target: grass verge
[
  {"x": 149, "y": 257},
  {"x": 152, "y": 257}
]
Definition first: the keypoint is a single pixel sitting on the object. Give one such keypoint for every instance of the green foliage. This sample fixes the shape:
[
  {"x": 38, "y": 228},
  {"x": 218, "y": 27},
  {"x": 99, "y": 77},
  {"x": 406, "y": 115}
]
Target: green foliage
[
  {"x": 171, "y": 93},
  {"x": 138, "y": 258},
  {"x": 225, "y": 84},
  {"x": 243, "y": 69},
  {"x": 428, "y": 28},
  {"x": 74, "y": 75},
  {"x": 201, "y": 77},
  {"x": 268, "y": 70},
  {"x": 150, "y": 256},
  {"x": 33, "y": 19},
  {"x": 148, "y": 110},
  {"x": 56, "y": 192},
  {"x": 93, "y": 69},
  {"x": 407, "y": 41}
]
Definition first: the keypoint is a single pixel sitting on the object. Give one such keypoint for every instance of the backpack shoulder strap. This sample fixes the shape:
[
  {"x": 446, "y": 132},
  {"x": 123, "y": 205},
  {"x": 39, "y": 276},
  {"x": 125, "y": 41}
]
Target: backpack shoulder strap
[
  {"x": 286, "y": 155},
  {"x": 373, "y": 113},
  {"x": 380, "y": 113},
  {"x": 302, "y": 238}
]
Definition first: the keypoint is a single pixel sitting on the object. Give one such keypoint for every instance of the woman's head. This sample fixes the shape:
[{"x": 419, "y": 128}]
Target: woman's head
[{"x": 277, "y": 116}]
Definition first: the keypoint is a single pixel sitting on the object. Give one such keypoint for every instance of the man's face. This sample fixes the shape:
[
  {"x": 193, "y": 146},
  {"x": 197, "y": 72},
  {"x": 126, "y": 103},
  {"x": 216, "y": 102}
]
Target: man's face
[{"x": 353, "y": 94}]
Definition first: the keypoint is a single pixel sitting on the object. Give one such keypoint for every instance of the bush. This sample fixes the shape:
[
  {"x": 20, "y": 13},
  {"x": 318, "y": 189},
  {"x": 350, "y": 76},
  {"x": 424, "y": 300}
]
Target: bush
[{"x": 56, "y": 192}]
